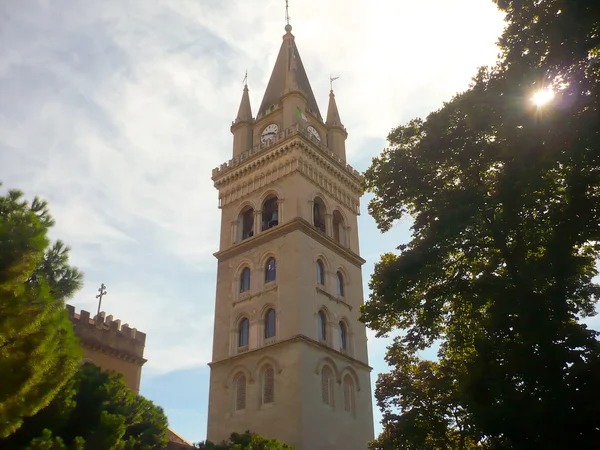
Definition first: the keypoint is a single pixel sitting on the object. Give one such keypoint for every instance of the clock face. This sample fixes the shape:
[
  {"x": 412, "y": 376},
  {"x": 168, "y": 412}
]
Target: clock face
[
  {"x": 313, "y": 132},
  {"x": 269, "y": 133}
]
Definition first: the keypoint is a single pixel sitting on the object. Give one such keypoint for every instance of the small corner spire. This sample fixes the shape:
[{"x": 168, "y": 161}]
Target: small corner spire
[
  {"x": 245, "y": 111},
  {"x": 333, "y": 116}
]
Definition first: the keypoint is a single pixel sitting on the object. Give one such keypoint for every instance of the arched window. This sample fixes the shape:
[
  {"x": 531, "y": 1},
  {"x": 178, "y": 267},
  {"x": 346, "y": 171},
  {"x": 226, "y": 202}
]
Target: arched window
[
  {"x": 348, "y": 385},
  {"x": 343, "y": 336},
  {"x": 327, "y": 385},
  {"x": 338, "y": 227},
  {"x": 270, "y": 213},
  {"x": 340, "y": 284},
  {"x": 322, "y": 324},
  {"x": 319, "y": 214},
  {"x": 270, "y": 323},
  {"x": 245, "y": 280},
  {"x": 240, "y": 392},
  {"x": 270, "y": 270},
  {"x": 320, "y": 273},
  {"x": 268, "y": 385},
  {"x": 246, "y": 223},
  {"x": 243, "y": 332}
]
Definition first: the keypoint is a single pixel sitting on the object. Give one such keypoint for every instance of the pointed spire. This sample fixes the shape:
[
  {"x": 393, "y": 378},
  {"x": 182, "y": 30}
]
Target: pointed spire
[
  {"x": 333, "y": 116},
  {"x": 245, "y": 112},
  {"x": 288, "y": 76}
]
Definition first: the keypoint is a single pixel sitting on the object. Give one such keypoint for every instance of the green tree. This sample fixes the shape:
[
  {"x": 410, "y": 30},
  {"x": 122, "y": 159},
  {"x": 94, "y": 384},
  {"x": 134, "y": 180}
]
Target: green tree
[
  {"x": 38, "y": 348},
  {"x": 99, "y": 409},
  {"x": 245, "y": 441},
  {"x": 505, "y": 198}
]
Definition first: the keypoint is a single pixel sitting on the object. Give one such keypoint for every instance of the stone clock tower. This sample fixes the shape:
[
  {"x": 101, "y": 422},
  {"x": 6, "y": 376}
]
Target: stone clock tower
[{"x": 289, "y": 355}]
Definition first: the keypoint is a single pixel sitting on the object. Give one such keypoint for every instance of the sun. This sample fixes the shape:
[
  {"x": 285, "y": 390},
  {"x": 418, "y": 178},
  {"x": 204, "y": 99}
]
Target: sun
[{"x": 542, "y": 97}]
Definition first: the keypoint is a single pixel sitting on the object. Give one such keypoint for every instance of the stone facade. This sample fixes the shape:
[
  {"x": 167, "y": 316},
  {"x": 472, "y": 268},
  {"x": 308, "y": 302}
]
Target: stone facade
[
  {"x": 112, "y": 346},
  {"x": 289, "y": 354}
]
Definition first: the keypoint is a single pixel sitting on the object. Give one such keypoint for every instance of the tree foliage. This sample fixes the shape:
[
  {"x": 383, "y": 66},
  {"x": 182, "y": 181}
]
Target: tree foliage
[
  {"x": 245, "y": 441},
  {"x": 98, "y": 409},
  {"x": 38, "y": 348},
  {"x": 505, "y": 198}
]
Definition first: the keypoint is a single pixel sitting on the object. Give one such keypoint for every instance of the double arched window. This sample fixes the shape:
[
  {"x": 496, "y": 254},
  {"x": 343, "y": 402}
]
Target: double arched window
[
  {"x": 320, "y": 273},
  {"x": 270, "y": 327},
  {"x": 270, "y": 270},
  {"x": 245, "y": 280},
  {"x": 244, "y": 332},
  {"x": 340, "y": 284}
]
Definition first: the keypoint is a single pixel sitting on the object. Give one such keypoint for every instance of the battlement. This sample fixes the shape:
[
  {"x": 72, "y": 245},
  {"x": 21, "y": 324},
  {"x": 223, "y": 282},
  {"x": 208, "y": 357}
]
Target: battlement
[{"x": 107, "y": 334}]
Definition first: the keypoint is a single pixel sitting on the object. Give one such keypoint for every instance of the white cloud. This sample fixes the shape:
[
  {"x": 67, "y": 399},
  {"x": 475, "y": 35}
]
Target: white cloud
[{"x": 116, "y": 112}]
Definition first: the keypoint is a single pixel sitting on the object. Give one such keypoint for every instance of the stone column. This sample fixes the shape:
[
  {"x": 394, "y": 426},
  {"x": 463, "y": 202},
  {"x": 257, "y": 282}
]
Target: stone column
[
  {"x": 329, "y": 224},
  {"x": 280, "y": 211},
  {"x": 312, "y": 212},
  {"x": 257, "y": 221},
  {"x": 234, "y": 232},
  {"x": 347, "y": 236}
]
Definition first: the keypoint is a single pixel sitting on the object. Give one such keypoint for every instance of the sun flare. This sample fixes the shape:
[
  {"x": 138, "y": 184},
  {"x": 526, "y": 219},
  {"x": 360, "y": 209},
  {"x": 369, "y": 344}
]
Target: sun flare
[{"x": 542, "y": 97}]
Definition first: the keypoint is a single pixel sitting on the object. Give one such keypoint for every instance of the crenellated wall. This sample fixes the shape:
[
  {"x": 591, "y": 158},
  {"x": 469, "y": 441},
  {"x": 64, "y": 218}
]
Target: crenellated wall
[{"x": 110, "y": 345}]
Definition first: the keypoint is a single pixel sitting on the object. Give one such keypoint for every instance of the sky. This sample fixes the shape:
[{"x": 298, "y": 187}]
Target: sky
[{"x": 117, "y": 111}]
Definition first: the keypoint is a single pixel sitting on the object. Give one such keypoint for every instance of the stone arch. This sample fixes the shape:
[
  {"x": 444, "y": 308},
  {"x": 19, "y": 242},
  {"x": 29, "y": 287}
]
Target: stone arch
[
  {"x": 327, "y": 361},
  {"x": 269, "y": 192},
  {"x": 235, "y": 370},
  {"x": 245, "y": 220},
  {"x": 350, "y": 370},
  {"x": 263, "y": 362}
]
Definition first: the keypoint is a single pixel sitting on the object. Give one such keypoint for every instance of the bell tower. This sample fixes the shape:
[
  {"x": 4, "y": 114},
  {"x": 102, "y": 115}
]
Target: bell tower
[{"x": 289, "y": 354}]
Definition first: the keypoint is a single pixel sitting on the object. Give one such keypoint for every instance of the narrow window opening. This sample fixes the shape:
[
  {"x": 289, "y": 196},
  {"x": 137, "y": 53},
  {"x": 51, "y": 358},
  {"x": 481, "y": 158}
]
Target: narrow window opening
[
  {"x": 340, "y": 284},
  {"x": 320, "y": 273},
  {"x": 322, "y": 324},
  {"x": 270, "y": 324},
  {"x": 270, "y": 270},
  {"x": 245, "y": 280},
  {"x": 244, "y": 333},
  {"x": 343, "y": 336}
]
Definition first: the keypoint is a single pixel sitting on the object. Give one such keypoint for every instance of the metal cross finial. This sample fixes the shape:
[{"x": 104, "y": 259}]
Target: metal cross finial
[
  {"x": 287, "y": 14},
  {"x": 102, "y": 293},
  {"x": 331, "y": 80},
  {"x": 245, "y": 80}
]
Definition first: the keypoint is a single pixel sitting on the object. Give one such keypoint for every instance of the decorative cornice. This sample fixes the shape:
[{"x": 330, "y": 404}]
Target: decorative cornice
[
  {"x": 333, "y": 298},
  {"x": 313, "y": 167},
  {"x": 285, "y": 228},
  {"x": 296, "y": 338},
  {"x": 111, "y": 351}
]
